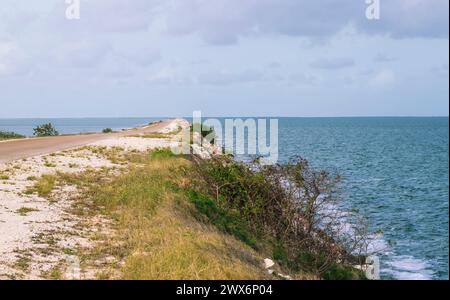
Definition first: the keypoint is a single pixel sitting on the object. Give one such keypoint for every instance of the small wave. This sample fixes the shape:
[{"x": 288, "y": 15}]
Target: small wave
[{"x": 406, "y": 267}]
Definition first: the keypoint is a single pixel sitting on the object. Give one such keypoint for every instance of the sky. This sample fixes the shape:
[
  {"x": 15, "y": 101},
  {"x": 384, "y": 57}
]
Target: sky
[{"x": 303, "y": 58}]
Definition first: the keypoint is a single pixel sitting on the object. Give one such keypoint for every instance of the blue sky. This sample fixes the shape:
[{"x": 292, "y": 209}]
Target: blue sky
[{"x": 223, "y": 57}]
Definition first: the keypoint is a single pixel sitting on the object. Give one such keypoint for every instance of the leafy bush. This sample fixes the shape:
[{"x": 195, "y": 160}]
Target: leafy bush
[
  {"x": 285, "y": 207},
  {"x": 4, "y": 135},
  {"x": 45, "y": 130},
  {"x": 107, "y": 130}
]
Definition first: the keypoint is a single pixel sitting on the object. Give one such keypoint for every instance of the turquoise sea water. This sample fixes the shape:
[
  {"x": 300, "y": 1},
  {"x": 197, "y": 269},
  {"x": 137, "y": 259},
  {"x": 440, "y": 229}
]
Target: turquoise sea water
[
  {"x": 395, "y": 172},
  {"x": 72, "y": 125}
]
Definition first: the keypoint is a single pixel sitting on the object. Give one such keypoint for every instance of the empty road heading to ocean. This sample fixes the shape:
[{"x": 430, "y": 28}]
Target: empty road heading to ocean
[{"x": 23, "y": 148}]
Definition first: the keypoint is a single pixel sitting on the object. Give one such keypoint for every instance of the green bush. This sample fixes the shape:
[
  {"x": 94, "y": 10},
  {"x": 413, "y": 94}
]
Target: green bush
[
  {"x": 279, "y": 206},
  {"x": 161, "y": 153},
  {"x": 226, "y": 221},
  {"x": 5, "y": 135},
  {"x": 45, "y": 130},
  {"x": 107, "y": 130}
]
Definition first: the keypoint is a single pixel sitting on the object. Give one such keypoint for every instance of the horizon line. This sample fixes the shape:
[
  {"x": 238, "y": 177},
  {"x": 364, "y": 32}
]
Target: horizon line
[{"x": 260, "y": 116}]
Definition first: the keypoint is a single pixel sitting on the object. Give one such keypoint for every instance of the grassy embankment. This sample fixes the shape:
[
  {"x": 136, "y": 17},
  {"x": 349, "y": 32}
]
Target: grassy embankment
[
  {"x": 157, "y": 231},
  {"x": 164, "y": 227}
]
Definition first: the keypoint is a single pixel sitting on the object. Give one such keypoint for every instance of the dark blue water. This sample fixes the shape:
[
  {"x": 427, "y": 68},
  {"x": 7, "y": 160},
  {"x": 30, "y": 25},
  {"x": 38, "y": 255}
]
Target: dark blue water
[
  {"x": 67, "y": 126},
  {"x": 395, "y": 172}
]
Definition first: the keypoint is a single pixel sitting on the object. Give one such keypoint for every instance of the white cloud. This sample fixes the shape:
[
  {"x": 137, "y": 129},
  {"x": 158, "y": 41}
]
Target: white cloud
[
  {"x": 13, "y": 60},
  {"x": 168, "y": 75},
  {"x": 142, "y": 56},
  {"x": 225, "y": 21},
  {"x": 81, "y": 54},
  {"x": 383, "y": 78}
]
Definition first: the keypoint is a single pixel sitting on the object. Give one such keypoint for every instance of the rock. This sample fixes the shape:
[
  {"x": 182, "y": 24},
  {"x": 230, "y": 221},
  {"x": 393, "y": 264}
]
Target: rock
[
  {"x": 268, "y": 263},
  {"x": 198, "y": 150},
  {"x": 286, "y": 277}
]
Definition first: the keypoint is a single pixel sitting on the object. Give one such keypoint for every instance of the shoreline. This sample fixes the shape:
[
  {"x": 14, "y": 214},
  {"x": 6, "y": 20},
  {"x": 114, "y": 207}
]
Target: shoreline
[{"x": 43, "y": 229}]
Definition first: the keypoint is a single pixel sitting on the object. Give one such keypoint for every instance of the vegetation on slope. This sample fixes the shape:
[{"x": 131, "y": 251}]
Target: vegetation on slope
[
  {"x": 156, "y": 234},
  {"x": 282, "y": 211},
  {"x": 176, "y": 217}
]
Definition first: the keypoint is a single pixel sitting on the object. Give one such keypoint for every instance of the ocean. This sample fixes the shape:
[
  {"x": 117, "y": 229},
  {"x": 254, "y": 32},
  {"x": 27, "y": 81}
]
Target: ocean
[
  {"x": 395, "y": 173},
  {"x": 72, "y": 125}
]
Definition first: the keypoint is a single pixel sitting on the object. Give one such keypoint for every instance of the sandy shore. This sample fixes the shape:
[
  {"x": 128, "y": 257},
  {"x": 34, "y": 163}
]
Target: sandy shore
[{"x": 37, "y": 234}]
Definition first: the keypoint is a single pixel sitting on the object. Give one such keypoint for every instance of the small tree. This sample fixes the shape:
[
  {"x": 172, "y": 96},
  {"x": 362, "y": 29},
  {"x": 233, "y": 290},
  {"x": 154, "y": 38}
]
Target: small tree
[
  {"x": 107, "y": 130},
  {"x": 45, "y": 130}
]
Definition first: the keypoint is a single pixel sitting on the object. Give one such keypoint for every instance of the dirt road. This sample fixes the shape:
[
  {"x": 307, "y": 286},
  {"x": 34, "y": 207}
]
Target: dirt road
[{"x": 18, "y": 149}]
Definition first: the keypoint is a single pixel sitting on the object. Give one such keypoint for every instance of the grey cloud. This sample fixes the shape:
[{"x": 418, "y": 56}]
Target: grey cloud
[
  {"x": 303, "y": 79},
  {"x": 332, "y": 63},
  {"x": 106, "y": 16},
  {"x": 224, "y": 21},
  {"x": 82, "y": 54},
  {"x": 441, "y": 71},
  {"x": 408, "y": 19},
  {"x": 144, "y": 56},
  {"x": 382, "y": 57},
  {"x": 226, "y": 78}
]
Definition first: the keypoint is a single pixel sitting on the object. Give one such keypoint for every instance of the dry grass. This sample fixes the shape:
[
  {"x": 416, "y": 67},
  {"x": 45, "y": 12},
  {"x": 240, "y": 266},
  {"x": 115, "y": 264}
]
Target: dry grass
[
  {"x": 24, "y": 211},
  {"x": 155, "y": 235},
  {"x": 175, "y": 246},
  {"x": 44, "y": 186},
  {"x": 152, "y": 135}
]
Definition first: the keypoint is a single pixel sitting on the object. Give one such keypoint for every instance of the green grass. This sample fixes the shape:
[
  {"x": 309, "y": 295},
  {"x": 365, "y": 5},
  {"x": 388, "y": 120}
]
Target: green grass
[
  {"x": 223, "y": 220},
  {"x": 157, "y": 234},
  {"x": 165, "y": 229},
  {"x": 43, "y": 187},
  {"x": 24, "y": 211}
]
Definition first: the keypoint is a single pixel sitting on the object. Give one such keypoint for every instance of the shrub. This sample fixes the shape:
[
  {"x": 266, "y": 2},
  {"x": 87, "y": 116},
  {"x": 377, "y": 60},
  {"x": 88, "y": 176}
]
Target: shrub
[
  {"x": 107, "y": 130},
  {"x": 285, "y": 207},
  {"x": 45, "y": 130},
  {"x": 4, "y": 135},
  {"x": 161, "y": 153}
]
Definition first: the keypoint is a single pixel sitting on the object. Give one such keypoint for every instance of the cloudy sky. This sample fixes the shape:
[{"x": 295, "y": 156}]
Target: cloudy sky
[{"x": 224, "y": 57}]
